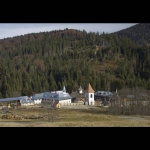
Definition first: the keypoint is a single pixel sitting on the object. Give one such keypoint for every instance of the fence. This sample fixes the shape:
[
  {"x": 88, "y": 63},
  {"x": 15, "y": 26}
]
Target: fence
[
  {"x": 71, "y": 104},
  {"x": 129, "y": 107}
]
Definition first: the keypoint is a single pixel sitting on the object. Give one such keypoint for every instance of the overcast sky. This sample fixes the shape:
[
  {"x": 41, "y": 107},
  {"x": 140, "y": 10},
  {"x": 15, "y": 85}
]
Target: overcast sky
[{"x": 17, "y": 29}]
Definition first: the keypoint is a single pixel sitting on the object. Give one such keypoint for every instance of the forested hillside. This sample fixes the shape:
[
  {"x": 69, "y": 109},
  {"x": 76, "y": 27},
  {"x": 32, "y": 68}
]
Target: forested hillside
[
  {"x": 46, "y": 61},
  {"x": 139, "y": 33}
]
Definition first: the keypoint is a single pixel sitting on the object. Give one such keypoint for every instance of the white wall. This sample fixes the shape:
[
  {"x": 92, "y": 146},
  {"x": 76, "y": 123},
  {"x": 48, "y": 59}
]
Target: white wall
[
  {"x": 37, "y": 101},
  {"x": 90, "y": 98},
  {"x": 80, "y": 92},
  {"x": 65, "y": 101},
  {"x": 27, "y": 104}
]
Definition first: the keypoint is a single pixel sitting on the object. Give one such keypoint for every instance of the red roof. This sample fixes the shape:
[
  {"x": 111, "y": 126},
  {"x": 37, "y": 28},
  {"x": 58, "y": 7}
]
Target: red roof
[{"x": 89, "y": 89}]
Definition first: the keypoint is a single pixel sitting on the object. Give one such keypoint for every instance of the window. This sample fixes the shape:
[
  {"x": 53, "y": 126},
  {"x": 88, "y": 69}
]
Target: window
[{"x": 91, "y": 95}]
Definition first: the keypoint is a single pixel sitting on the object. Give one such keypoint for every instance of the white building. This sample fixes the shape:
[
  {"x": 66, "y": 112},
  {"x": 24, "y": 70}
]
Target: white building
[
  {"x": 26, "y": 101},
  {"x": 89, "y": 95},
  {"x": 20, "y": 101},
  {"x": 61, "y": 97},
  {"x": 37, "y": 98}
]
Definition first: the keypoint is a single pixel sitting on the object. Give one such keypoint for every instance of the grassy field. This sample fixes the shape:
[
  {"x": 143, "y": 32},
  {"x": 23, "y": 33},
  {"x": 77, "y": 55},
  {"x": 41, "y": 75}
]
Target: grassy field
[{"x": 70, "y": 116}]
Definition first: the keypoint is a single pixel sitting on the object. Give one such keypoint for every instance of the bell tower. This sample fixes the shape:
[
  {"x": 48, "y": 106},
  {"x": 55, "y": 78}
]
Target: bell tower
[
  {"x": 80, "y": 90},
  {"x": 64, "y": 89},
  {"x": 89, "y": 95}
]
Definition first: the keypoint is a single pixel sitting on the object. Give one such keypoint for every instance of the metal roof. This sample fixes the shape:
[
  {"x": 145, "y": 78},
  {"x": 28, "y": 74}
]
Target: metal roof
[
  {"x": 37, "y": 96},
  {"x": 49, "y": 95},
  {"x": 103, "y": 93},
  {"x": 62, "y": 96},
  {"x": 64, "y": 89},
  {"x": 58, "y": 95},
  {"x": 14, "y": 99},
  {"x": 80, "y": 88}
]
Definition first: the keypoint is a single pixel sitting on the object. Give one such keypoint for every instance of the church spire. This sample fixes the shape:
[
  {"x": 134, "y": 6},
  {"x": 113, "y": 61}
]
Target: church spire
[
  {"x": 80, "y": 90},
  {"x": 64, "y": 89},
  {"x": 89, "y": 89}
]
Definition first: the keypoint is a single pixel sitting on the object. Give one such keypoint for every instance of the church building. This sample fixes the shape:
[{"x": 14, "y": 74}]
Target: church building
[{"x": 89, "y": 95}]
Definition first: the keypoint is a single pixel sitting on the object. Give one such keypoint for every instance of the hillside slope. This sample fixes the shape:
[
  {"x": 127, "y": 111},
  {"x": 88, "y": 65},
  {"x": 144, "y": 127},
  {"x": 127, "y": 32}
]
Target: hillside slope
[
  {"x": 40, "y": 62},
  {"x": 139, "y": 33}
]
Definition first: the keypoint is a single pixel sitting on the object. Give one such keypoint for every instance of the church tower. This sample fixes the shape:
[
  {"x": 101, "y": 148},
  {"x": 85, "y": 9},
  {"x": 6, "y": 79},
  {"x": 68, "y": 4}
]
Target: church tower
[
  {"x": 64, "y": 89},
  {"x": 80, "y": 90},
  {"x": 89, "y": 95}
]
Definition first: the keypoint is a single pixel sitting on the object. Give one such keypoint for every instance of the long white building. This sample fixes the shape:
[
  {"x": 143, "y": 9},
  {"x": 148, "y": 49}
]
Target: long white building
[{"x": 61, "y": 97}]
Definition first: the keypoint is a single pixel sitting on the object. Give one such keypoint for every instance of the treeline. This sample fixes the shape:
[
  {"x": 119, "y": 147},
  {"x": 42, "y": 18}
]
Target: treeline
[
  {"x": 139, "y": 33},
  {"x": 136, "y": 103},
  {"x": 47, "y": 61}
]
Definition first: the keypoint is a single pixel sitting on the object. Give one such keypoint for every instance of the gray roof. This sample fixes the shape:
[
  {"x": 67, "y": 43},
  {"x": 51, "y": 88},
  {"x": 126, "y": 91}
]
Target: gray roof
[
  {"x": 58, "y": 95},
  {"x": 103, "y": 93},
  {"x": 49, "y": 95},
  {"x": 80, "y": 88},
  {"x": 64, "y": 89},
  {"x": 14, "y": 99},
  {"x": 62, "y": 96},
  {"x": 37, "y": 96}
]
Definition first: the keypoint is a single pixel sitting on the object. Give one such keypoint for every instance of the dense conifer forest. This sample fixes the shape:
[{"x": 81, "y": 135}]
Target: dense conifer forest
[{"x": 46, "y": 61}]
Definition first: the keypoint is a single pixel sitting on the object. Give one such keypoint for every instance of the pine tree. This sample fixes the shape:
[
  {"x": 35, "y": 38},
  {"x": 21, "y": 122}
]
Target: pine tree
[{"x": 52, "y": 83}]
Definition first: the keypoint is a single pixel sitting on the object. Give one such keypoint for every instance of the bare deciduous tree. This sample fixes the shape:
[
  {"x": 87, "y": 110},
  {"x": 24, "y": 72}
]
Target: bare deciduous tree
[
  {"x": 131, "y": 102},
  {"x": 52, "y": 109}
]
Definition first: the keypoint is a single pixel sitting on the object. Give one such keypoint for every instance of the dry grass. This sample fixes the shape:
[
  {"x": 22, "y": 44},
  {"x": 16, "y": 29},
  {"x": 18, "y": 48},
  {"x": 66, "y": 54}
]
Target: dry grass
[{"x": 89, "y": 117}]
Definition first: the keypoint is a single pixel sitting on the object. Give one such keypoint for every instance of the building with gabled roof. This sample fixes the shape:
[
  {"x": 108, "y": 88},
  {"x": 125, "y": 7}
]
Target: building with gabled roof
[
  {"x": 58, "y": 96},
  {"x": 78, "y": 97},
  {"x": 37, "y": 98},
  {"x": 14, "y": 99},
  {"x": 17, "y": 100},
  {"x": 89, "y": 95},
  {"x": 61, "y": 97}
]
